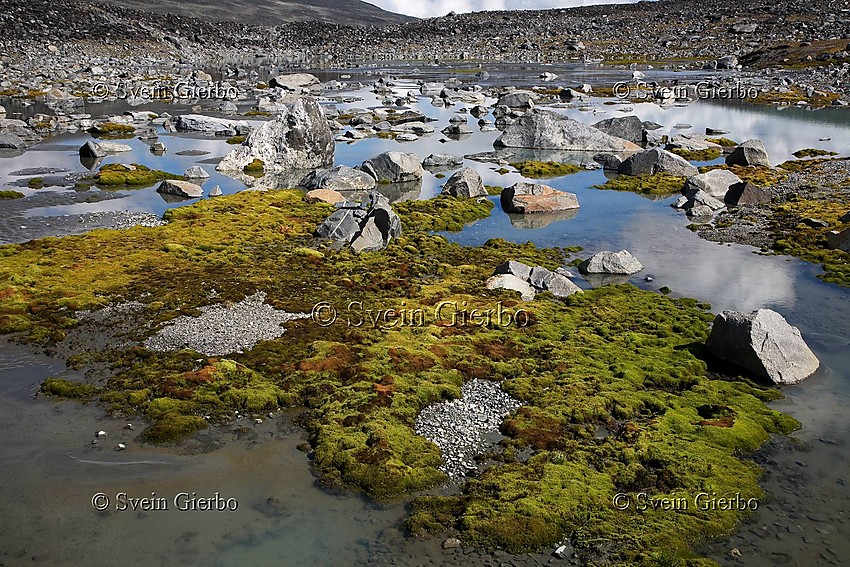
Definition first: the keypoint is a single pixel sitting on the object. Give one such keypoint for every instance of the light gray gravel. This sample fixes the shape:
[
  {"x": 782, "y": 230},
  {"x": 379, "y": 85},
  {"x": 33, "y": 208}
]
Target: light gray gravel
[
  {"x": 224, "y": 329},
  {"x": 458, "y": 426}
]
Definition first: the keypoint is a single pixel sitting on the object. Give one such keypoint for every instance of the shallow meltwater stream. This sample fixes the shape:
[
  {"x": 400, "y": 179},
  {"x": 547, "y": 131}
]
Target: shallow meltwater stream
[{"x": 51, "y": 474}]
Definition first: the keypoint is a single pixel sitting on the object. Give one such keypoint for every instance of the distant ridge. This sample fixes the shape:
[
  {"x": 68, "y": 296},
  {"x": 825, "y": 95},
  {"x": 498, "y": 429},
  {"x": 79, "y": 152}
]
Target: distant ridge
[{"x": 270, "y": 12}]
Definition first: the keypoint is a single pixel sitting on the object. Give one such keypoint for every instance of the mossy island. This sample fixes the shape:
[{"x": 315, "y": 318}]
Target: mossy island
[{"x": 617, "y": 360}]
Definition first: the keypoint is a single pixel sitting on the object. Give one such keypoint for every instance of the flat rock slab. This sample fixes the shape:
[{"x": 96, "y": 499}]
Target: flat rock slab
[{"x": 529, "y": 198}]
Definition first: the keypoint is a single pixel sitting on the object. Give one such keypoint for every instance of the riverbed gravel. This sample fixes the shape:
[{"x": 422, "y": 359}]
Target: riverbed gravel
[
  {"x": 224, "y": 328},
  {"x": 458, "y": 427}
]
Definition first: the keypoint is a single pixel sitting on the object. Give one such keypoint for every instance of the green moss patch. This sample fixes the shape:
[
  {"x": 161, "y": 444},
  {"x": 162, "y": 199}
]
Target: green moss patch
[
  {"x": 443, "y": 213},
  {"x": 235, "y": 140},
  {"x": 113, "y": 130},
  {"x": 756, "y": 174},
  {"x": 796, "y": 238},
  {"x": 62, "y": 388},
  {"x": 115, "y": 175},
  {"x": 812, "y": 152},
  {"x": 709, "y": 154},
  {"x": 657, "y": 184},
  {"x": 725, "y": 142},
  {"x": 255, "y": 168},
  {"x": 9, "y": 194},
  {"x": 543, "y": 169}
]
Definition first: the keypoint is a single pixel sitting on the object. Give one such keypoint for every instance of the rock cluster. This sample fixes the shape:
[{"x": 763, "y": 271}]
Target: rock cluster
[
  {"x": 529, "y": 281},
  {"x": 366, "y": 227}
]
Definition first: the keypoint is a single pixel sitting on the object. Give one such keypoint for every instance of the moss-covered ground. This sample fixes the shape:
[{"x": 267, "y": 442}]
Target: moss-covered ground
[
  {"x": 617, "y": 359},
  {"x": 756, "y": 174},
  {"x": 10, "y": 194},
  {"x": 657, "y": 184},
  {"x": 709, "y": 154},
  {"x": 117, "y": 175},
  {"x": 545, "y": 169}
]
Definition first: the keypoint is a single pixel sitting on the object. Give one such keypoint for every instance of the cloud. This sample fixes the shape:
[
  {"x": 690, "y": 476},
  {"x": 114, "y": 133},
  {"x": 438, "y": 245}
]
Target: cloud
[{"x": 432, "y": 8}]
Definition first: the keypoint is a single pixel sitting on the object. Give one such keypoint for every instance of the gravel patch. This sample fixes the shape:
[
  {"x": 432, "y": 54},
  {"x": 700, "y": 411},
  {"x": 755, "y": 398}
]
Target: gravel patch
[
  {"x": 224, "y": 329},
  {"x": 458, "y": 426}
]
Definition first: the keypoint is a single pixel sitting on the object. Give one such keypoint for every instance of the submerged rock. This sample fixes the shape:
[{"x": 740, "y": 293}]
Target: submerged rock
[
  {"x": 465, "y": 183},
  {"x": 297, "y": 138},
  {"x": 751, "y": 152},
  {"x": 764, "y": 343},
  {"x": 608, "y": 262},
  {"x": 527, "y": 198}
]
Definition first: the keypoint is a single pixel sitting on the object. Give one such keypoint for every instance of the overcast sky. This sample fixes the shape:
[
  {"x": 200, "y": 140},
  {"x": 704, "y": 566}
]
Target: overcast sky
[{"x": 432, "y": 8}]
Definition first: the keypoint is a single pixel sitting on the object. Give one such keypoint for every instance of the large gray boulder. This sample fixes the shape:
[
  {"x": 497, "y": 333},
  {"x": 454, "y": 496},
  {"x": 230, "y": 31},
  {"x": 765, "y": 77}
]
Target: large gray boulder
[
  {"x": 91, "y": 150},
  {"x": 294, "y": 81},
  {"x": 745, "y": 194},
  {"x": 394, "y": 167},
  {"x": 517, "y": 99},
  {"x": 297, "y": 138},
  {"x": 716, "y": 183},
  {"x": 547, "y": 130},
  {"x": 626, "y": 127},
  {"x": 526, "y": 198},
  {"x": 465, "y": 183},
  {"x": 210, "y": 124},
  {"x": 340, "y": 178},
  {"x": 366, "y": 228},
  {"x": 764, "y": 343},
  {"x": 184, "y": 189},
  {"x": 608, "y": 262},
  {"x": 656, "y": 160},
  {"x": 442, "y": 160},
  {"x": 11, "y": 141},
  {"x": 751, "y": 152}
]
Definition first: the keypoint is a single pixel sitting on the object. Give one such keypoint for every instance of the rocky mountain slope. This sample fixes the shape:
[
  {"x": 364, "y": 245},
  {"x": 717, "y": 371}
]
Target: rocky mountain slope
[{"x": 271, "y": 12}]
